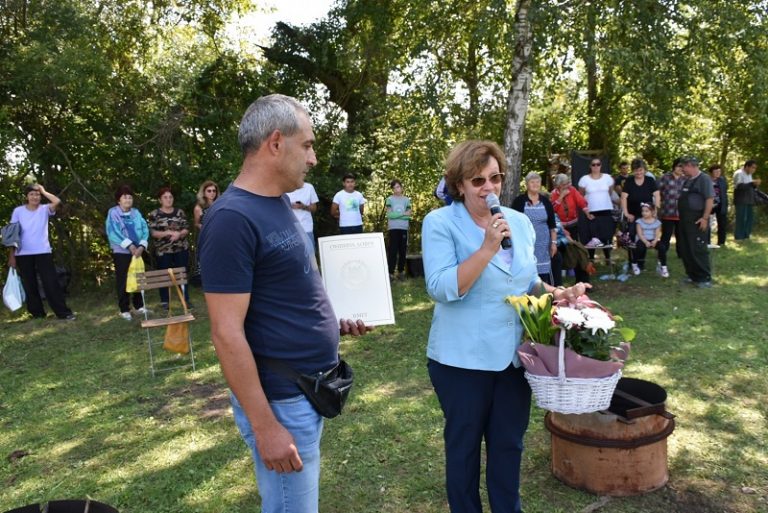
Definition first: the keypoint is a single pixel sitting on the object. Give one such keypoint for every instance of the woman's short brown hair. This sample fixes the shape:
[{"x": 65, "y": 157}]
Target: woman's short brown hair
[
  {"x": 121, "y": 191},
  {"x": 466, "y": 159}
]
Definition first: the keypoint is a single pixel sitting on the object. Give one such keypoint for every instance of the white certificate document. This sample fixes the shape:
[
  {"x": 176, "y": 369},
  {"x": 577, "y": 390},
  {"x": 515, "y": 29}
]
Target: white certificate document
[{"x": 356, "y": 278}]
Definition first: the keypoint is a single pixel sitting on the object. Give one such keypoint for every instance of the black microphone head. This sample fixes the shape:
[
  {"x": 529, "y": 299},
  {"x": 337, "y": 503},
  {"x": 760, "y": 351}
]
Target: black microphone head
[{"x": 492, "y": 200}]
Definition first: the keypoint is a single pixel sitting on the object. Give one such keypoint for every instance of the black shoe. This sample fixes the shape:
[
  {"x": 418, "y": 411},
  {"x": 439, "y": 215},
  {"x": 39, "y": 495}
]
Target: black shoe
[{"x": 70, "y": 317}]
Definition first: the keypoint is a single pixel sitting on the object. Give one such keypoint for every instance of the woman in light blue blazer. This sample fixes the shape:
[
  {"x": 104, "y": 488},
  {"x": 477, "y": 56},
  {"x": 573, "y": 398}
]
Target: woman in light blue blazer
[{"x": 473, "y": 363}]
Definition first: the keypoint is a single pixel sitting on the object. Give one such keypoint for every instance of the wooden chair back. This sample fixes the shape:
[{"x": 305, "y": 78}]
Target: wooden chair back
[
  {"x": 150, "y": 280},
  {"x": 161, "y": 279}
]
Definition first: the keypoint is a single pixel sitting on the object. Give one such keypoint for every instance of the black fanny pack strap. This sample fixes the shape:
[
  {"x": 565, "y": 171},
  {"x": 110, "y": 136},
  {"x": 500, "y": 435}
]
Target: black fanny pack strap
[
  {"x": 279, "y": 366},
  {"x": 289, "y": 372}
]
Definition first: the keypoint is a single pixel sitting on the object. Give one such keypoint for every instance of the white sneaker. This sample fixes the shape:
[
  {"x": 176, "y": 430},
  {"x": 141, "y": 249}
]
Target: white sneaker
[
  {"x": 664, "y": 271},
  {"x": 594, "y": 243},
  {"x": 635, "y": 269},
  {"x": 126, "y": 315},
  {"x": 143, "y": 310}
]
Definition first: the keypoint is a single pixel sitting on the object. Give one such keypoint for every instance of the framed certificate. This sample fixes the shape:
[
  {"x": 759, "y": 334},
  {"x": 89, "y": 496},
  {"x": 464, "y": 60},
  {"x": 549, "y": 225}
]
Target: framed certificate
[{"x": 354, "y": 269}]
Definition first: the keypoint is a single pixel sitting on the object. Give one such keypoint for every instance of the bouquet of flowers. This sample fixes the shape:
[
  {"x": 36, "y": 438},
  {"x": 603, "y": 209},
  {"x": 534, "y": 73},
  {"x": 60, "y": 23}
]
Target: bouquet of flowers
[{"x": 574, "y": 352}]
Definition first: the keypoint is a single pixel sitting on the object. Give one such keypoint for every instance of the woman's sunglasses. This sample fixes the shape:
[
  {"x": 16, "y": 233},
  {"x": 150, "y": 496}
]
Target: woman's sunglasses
[
  {"x": 211, "y": 190},
  {"x": 479, "y": 181}
]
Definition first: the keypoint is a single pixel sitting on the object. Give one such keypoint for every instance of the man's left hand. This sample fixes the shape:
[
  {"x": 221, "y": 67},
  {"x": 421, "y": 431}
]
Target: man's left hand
[
  {"x": 702, "y": 223},
  {"x": 354, "y": 328}
]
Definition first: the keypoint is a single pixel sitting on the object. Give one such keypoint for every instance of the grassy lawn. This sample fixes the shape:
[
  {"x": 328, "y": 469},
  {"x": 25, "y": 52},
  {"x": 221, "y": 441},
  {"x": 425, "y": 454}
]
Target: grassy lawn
[{"x": 80, "y": 414}]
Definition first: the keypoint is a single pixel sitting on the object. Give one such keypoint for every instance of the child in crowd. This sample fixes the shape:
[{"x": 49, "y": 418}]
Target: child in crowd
[
  {"x": 349, "y": 207},
  {"x": 398, "y": 216},
  {"x": 649, "y": 236}
]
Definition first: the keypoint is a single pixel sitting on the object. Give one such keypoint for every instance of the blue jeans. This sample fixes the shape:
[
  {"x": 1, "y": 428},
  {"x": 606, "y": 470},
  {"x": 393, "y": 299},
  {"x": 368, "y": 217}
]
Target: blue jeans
[
  {"x": 169, "y": 261},
  {"x": 294, "y": 492}
]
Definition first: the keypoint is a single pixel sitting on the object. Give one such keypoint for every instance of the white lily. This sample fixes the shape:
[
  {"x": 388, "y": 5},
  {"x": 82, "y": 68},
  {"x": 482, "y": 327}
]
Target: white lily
[
  {"x": 569, "y": 317},
  {"x": 596, "y": 319}
]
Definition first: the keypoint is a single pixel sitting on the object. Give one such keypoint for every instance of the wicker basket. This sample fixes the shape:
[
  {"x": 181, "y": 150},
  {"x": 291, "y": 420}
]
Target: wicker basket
[{"x": 571, "y": 395}]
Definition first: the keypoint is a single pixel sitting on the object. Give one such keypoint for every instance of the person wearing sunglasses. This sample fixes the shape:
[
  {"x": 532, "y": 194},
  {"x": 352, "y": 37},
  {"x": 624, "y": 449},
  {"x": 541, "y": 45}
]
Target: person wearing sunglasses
[
  {"x": 206, "y": 195},
  {"x": 596, "y": 188},
  {"x": 474, "y": 336}
]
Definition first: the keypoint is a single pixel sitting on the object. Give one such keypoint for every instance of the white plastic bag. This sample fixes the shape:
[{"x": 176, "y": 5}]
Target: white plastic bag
[{"x": 13, "y": 292}]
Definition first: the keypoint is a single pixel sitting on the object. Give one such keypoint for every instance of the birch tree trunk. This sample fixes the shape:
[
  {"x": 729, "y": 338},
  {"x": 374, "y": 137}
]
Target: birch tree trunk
[{"x": 517, "y": 101}]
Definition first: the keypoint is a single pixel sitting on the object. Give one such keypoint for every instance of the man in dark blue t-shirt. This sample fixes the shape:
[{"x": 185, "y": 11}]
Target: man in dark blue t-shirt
[{"x": 265, "y": 298}]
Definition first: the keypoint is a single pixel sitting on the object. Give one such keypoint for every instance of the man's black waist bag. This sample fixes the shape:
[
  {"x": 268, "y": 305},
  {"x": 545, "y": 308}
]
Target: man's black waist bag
[{"x": 326, "y": 391}]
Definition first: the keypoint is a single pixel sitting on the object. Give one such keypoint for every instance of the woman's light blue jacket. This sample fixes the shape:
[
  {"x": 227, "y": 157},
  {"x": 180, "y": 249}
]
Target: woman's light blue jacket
[
  {"x": 477, "y": 330},
  {"x": 118, "y": 234}
]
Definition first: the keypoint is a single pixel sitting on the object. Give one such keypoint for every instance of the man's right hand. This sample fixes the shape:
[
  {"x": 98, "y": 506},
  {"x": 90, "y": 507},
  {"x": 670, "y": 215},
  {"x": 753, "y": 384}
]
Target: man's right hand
[{"x": 277, "y": 449}]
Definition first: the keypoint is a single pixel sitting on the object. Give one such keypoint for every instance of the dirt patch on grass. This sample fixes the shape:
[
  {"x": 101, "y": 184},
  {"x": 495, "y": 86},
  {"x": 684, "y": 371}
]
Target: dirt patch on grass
[
  {"x": 689, "y": 500},
  {"x": 210, "y": 400},
  {"x": 706, "y": 496}
]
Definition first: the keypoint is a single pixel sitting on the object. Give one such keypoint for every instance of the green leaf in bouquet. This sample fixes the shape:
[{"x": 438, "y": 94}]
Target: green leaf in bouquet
[{"x": 628, "y": 334}]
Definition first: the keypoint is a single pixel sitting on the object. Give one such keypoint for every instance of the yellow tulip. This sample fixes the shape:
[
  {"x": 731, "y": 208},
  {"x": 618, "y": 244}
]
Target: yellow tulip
[
  {"x": 516, "y": 300},
  {"x": 543, "y": 301}
]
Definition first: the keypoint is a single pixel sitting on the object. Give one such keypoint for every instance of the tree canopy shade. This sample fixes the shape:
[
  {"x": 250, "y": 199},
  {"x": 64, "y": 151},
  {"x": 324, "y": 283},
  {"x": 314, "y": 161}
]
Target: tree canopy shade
[
  {"x": 98, "y": 93},
  {"x": 93, "y": 95}
]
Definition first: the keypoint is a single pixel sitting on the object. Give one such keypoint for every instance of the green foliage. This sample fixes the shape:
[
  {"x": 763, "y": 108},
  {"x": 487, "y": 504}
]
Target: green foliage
[{"x": 96, "y": 94}]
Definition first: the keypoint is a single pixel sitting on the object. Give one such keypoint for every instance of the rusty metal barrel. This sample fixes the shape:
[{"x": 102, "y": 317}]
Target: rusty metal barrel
[{"x": 606, "y": 453}]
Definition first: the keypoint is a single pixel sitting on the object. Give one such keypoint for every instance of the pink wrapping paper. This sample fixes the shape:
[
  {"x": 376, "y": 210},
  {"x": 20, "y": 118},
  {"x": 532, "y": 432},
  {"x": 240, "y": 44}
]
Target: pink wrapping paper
[{"x": 541, "y": 360}]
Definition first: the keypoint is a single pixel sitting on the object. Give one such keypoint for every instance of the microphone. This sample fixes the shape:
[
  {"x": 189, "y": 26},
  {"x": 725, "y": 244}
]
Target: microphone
[{"x": 493, "y": 203}]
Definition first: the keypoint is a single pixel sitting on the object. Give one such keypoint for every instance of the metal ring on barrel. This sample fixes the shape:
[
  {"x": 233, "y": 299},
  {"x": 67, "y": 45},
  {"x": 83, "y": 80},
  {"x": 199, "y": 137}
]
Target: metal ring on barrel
[{"x": 603, "y": 442}]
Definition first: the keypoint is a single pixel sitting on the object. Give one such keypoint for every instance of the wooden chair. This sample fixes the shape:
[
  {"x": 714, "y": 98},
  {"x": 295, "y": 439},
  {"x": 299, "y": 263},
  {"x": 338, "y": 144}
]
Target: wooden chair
[{"x": 171, "y": 279}]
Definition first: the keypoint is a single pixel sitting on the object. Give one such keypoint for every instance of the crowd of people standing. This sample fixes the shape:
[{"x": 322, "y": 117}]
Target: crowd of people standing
[
  {"x": 646, "y": 211},
  {"x": 587, "y": 216},
  {"x": 166, "y": 230}
]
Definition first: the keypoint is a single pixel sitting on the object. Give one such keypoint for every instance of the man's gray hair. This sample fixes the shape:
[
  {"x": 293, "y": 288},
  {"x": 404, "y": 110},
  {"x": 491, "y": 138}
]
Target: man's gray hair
[{"x": 264, "y": 116}]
